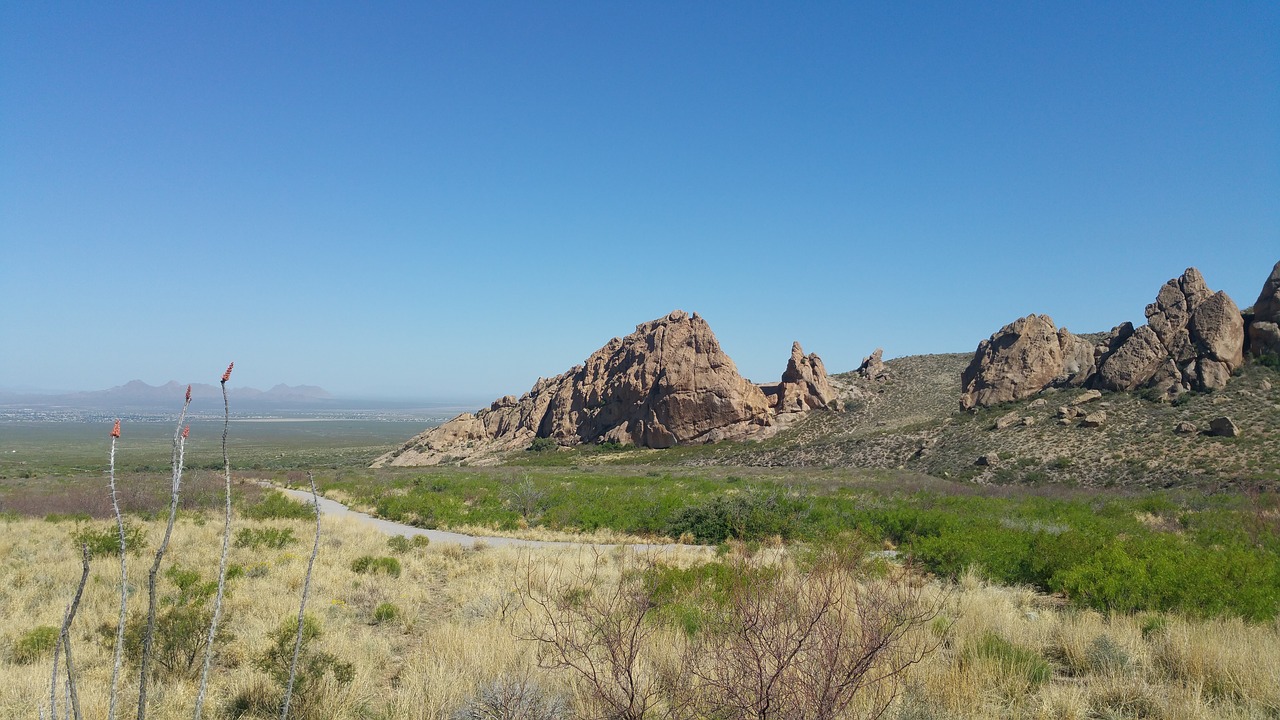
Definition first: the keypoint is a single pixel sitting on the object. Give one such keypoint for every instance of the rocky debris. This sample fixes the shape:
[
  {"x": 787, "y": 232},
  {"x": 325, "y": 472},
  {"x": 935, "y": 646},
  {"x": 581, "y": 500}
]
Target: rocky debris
[
  {"x": 988, "y": 460},
  {"x": 1223, "y": 427},
  {"x": 805, "y": 385},
  {"x": 1086, "y": 397},
  {"x": 872, "y": 367},
  {"x": 668, "y": 383},
  {"x": 1186, "y": 428},
  {"x": 1264, "y": 329},
  {"x": 1094, "y": 419},
  {"x": 1015, "y": 363}
]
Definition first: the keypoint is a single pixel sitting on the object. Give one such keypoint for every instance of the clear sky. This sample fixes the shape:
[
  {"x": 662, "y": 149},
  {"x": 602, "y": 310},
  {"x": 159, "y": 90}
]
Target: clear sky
[{"x": 448, "y": 200}]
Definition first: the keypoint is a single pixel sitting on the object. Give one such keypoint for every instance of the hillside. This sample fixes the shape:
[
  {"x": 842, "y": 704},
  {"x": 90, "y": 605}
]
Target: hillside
[{"x": 912, "y": 421}]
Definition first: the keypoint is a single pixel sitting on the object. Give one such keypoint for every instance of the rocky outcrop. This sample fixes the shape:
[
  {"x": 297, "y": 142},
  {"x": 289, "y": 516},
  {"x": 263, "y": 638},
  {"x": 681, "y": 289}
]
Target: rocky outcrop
[
  {"x": 873, "y": 367},
  {"x": 1193, "y": 339},
  {"x": 1015, "y": 363},
  {"x": 666, "y": 384},
  {"x": 1264, "y": 329},
  {"x": 805, "y": 385}
]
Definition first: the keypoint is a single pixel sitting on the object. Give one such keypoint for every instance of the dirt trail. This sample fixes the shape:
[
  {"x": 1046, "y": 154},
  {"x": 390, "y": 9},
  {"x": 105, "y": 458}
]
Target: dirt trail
[{"x": 333, "y": 508}]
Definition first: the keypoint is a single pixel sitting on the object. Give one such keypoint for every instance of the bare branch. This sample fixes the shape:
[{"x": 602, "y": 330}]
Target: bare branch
[
  {"x": 179, "y": 452},
  {"x": 302, "y": 607},
  {"x": 226, "y": 544}
]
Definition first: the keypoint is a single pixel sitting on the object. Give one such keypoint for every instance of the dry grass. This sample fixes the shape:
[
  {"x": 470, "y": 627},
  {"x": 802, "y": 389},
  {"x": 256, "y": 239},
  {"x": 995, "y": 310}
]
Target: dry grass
[{"x": 458, "y": 610}]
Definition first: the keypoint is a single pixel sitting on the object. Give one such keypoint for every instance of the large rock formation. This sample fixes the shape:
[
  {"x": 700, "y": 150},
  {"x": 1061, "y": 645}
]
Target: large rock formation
[
  {"x": 668, "y": 383},
  {"x": 1015, "y": 363},
  {"x": 1264, "y": 330},
  {"x": 1193, "y": 339},
  {"x": 805, "y": 385}
]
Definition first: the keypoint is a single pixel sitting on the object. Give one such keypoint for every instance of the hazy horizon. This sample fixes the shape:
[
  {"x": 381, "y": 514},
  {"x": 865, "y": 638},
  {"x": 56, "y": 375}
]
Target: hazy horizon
[{"x": 410, "y": 200}]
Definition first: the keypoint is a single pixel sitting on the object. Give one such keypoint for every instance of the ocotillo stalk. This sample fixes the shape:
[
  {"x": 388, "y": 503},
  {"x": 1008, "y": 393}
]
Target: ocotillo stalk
[
  {"x": 226, "y": 544},
  {"x": 302, "y": 607},
  {"x": 179, "y": 452},
  {"x": 124, "y": 579}
]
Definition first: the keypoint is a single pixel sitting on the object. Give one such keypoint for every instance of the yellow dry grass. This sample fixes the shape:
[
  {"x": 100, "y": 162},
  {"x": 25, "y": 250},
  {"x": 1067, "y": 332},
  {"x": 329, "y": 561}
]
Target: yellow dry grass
[{"x": 458, "y": 609}]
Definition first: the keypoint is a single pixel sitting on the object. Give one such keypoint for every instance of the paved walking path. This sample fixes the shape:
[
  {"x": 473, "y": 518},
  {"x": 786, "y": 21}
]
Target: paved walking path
[{"x": 333, "y": 508}]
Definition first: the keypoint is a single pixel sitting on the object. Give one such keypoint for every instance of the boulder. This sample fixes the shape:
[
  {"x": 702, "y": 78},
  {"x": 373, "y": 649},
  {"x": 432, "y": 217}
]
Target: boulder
[
  {"x": 1185, "y": 428},
  {"x": 1223, "y": 427},
  {"x": 1264, "y": 330},
  {"x": 1008, "y": 420},
  {"x": 1015, "y": 363},
  {"x": 1134, "y": 363},
  {"x": 1094, "y": 419},
  {"x": 1087, "y": 396},
  {"x": 665, "y": 384}
]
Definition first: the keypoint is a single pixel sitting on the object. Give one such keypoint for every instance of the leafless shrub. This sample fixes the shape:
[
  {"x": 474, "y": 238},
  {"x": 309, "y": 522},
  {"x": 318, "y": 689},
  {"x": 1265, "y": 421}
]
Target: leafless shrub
[
  {"x": 599, "y": 630},
  {"x": 827, "y": 641},
  {"x": 514, "y": 698}
]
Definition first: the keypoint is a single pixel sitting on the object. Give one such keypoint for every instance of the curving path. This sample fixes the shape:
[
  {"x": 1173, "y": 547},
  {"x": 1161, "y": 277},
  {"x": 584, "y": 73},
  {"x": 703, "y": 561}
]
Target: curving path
[{"x": 333, "y": 508}]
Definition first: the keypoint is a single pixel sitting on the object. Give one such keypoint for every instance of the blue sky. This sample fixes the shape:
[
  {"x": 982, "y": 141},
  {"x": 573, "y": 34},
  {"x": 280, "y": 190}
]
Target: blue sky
[{"x": 446, "y": 201}]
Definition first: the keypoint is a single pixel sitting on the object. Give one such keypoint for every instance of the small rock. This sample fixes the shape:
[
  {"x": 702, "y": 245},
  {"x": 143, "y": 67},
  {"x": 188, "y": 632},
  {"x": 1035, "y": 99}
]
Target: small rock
[
  {"x": 1041, "y": 402},
  {"x": 1266, "y": 386},
  {"x": 1088, "y": 396},
  {"x": 988, "y": 460},
  {"x": 1221, "y": 399},
  {"x": 1068, "y": 413},
  {"x": 1065, "y": 421},
  {"x": 1185, "y": 428},
  {"x": 1005, "y": 421},
  {"x": 1028, "y": 421},
  {"x": 1223, "y": 427},
  {"x": 1093, "y": 420}
]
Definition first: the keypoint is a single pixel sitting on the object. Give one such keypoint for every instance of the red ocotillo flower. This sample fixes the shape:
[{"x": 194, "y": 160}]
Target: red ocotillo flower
[
  {"x": 188, "y": 393},
  {"x": 227, "y": 375},
  {"x": 115, "y": 430},
  {"x": 186, "y": 431}
]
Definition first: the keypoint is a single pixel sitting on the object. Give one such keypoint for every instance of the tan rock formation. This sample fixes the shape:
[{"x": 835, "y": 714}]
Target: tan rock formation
[
  {"x": 1264, "y": 331},
  {"x": 872, "y": 367},
  {"x": 1015, "y": 363},
  {"x": 805, "y": 385},
  {"x": 665, "y": 384},
  {"x": 1193, "y": 340}
]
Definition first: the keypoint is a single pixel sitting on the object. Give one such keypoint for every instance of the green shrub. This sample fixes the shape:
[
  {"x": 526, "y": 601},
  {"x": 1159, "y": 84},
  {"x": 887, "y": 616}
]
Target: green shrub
[
  {"x": 370, "y": 564},
  {"x": 384, "y": 613},
  {"x": 398, "y": 544},
  {"x": 273, "y": 538},
  {"x": 34, "y": 644},
  {"x": 105, "y": 542},
  {"x": 1269, "y": 360},
  {"x": 182, "y": 625},
  {"x": 319, "y": 673},
  {"x": 275, "y": 505},
  {"x": 740, "y": 517},
  {"x": 543, "y": 444}
]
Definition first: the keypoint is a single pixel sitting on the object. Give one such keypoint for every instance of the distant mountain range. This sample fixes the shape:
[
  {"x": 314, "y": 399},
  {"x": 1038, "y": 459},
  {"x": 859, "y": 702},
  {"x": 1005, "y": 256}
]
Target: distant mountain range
[{"x": 137, "y": 394}]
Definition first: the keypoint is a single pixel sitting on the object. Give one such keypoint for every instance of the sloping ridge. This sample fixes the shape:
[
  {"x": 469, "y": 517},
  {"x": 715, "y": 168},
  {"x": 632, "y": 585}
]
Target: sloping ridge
[{"x": 668, "y": 383}]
